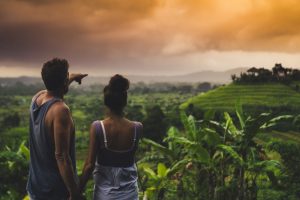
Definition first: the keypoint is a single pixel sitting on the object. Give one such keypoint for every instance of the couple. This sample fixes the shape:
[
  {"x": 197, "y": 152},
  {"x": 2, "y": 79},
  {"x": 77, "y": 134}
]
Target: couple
[{"x": 112, "y": 145}]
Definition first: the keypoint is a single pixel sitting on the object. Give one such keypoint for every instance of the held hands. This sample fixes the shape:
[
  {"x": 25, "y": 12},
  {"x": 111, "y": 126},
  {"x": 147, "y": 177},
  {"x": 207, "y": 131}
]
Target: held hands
[
  {"x": 76, "y": 196},
  {"x": 76, "y": 77}
]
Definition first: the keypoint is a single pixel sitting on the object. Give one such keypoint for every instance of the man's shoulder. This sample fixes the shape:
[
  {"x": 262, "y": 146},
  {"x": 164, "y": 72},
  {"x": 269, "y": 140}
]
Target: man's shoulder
[
  {"x": 60, "y": 108},
  {"x": 38, "y": 94}
]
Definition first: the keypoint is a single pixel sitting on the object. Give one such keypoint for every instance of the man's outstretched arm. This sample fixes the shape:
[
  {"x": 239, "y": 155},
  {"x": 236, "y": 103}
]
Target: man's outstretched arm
[
  {"x": 62, "y": 126},
  {"x": 76, "y": 77}
]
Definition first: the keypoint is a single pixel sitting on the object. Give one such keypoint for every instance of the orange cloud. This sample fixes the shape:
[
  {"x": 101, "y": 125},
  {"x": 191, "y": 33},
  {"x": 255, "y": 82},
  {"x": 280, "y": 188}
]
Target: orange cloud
[{"x": 113, "y": 32}]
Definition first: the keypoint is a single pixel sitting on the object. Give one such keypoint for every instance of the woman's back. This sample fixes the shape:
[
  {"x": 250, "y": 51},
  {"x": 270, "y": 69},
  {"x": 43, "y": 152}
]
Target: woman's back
[
  {"x": 113, "y": 143},
  {"x": 119, "y": 133},
  {"x": 117, "y": 145},
  {"x": 115, "y": 173}
]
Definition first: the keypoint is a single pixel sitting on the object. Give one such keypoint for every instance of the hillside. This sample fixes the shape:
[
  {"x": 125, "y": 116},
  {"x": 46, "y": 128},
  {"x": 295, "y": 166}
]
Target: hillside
[
  {"x": 215, "y": 77},
  {"x": 225, "y": 97}
]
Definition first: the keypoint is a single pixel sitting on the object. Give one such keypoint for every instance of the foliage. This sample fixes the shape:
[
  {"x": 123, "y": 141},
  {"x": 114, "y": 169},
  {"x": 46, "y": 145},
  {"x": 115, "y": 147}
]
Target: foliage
[
  {"x": 289, "y": 152},
  {"x": 221, "y": 156},
  {"x": 256, "y": 98},
  {"x": 154, "y": 123},
  {"x": 278, "y": 74},
  {"x": 13, "y": 172},
  {"x": 214, "y": 160}
]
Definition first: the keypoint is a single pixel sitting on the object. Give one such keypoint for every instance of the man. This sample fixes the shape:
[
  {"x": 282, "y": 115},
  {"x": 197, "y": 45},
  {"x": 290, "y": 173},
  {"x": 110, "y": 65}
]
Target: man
[{"x": 52, "y": 171}]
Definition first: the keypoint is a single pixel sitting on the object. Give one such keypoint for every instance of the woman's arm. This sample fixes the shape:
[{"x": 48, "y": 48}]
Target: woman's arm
[
  {"x": 140, "y": 127},
  {"x": 89, "y": 164}
]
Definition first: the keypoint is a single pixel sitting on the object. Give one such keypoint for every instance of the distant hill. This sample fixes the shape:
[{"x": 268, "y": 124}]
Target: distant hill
[
  {"x": 22, "y": 79},
  {"x": 203, "y": 76},
  {"x": 225, "y": 97}
]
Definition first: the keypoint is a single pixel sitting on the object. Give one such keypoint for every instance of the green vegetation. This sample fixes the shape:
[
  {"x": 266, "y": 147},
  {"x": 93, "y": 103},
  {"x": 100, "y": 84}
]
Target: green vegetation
[
  {"x": 268, "y": 96},
  {"x": 262, "y": 75},
  {"x": 151, "y": 104},
  {"x": 221, "y": 160},
  {"x": 221, "y": 151}
]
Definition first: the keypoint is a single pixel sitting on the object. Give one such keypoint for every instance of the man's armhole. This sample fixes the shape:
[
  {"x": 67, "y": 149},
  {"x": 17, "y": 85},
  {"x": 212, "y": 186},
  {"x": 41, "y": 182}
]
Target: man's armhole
[{"x": 34, "y": 98}]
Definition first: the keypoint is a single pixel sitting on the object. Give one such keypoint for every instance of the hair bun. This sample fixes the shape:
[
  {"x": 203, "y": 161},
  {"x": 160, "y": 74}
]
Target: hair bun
[{"x": 118, "y": 83}]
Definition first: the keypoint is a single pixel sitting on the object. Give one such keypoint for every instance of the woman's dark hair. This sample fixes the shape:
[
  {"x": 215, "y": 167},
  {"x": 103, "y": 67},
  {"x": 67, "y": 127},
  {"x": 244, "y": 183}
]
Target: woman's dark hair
[
  {"x": 54, "y": 73},
  {"x": 115, "y": 94}
]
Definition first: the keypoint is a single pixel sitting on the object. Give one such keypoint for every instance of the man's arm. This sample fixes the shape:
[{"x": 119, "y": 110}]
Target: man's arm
[
  {"x": 76, "y": 77},
  {"x": 62, "y": 126}
]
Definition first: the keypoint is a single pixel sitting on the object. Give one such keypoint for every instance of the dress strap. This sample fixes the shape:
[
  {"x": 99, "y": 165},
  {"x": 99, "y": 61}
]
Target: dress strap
[{"x": 104, "y": 133}]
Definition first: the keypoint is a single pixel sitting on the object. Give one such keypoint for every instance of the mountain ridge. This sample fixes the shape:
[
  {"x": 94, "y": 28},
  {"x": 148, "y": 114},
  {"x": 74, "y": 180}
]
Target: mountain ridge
[{"x": 219, "y": 77}]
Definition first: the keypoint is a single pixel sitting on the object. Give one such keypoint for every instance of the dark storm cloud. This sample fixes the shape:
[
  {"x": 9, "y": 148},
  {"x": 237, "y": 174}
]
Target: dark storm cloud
[
  {"x": 112, "y": 33},
  {"x": 84, "y": 31}
]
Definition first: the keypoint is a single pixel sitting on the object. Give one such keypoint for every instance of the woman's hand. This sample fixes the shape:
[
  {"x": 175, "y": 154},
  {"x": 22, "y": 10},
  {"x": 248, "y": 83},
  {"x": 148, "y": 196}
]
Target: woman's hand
[
  {"x": 76, "y": 196},
  {"x": 76, "y": 77}
]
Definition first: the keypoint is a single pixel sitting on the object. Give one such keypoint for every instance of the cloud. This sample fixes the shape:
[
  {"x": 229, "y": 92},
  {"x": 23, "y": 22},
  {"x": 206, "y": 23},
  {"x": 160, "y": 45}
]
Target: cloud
[
  {"x": 125, "y": 33},
  {"x": 85, "y": 31},
  {"x": 178, "y": 45}
]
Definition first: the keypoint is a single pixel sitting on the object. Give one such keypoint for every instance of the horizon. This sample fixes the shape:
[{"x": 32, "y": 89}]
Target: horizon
[
  {"x": 148, "y": 75},
  {"x": 36, "y": 74},
  {"x": 237, "y": 69}
]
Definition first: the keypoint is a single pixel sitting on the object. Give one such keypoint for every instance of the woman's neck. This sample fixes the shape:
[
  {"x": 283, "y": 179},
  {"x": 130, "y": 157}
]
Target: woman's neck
[{"x": 113, "y": 116}]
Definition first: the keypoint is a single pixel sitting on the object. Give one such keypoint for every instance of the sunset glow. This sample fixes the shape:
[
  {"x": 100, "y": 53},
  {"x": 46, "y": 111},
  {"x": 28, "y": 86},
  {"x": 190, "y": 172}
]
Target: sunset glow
[{"x": 148, "y": 36}]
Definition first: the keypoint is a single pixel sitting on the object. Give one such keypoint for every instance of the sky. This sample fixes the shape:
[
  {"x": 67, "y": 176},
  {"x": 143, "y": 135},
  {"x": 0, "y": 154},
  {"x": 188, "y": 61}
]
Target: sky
[{"x": 152, "y": 37}]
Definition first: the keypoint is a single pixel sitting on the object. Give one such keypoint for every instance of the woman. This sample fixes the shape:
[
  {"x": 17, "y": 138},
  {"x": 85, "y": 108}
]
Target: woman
[{"x": 113, "y": 143}]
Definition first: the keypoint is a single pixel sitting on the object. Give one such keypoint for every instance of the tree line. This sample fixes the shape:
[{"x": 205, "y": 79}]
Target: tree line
[{"x": 277, "y": 74}]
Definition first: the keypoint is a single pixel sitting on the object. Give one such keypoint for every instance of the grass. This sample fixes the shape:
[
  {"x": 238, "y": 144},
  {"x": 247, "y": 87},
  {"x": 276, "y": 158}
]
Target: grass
[{"x": 226, "y": 97}]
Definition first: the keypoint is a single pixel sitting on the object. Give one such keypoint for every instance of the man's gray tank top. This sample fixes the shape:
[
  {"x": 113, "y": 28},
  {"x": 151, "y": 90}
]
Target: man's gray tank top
[{"x": 44, "y": 181}]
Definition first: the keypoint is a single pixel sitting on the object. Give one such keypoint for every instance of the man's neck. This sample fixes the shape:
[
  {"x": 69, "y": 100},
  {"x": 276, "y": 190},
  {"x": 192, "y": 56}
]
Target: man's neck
[{"x": 58, "y": 94}]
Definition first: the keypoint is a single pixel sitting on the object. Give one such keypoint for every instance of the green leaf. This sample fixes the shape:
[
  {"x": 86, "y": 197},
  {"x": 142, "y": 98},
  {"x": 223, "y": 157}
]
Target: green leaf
[
  {"x": 276, "y": 120},
  {"x": 161, "y": 170},
  {"x": 192, "y": 127},
  {"x": 230, "y": 125},
  {"x": 150, "y": 192},
  {"x": 184, "y": 141},
  {"x": 189, "y": 124},
  {"x": 158, "y": 147},
  {"x": 195, "y": 149},
  {"x": 149, "y": 172},
  {"x": 23, "y": 150},
  {"x": 209, "y": 115},
  {"x": 232, "y": 153},
  {"x": 240, "y": 114},
  {"x": 177, "y": 166},
  {"x": 202, "y": 155},
  {"x": 267, "y": 165},
  {"x": 212, "y": 137},
  {"x": 172, "y": 132},
  {"x": 253, "y": 125}
]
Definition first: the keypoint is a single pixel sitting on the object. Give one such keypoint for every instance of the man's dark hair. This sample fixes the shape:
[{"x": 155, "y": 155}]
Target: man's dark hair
[{"x": 54, "y": 73}]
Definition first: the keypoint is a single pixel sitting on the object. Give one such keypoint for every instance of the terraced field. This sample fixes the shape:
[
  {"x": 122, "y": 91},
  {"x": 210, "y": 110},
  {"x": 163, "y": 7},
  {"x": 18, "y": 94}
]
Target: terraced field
[{"x": 225, "y": 97}]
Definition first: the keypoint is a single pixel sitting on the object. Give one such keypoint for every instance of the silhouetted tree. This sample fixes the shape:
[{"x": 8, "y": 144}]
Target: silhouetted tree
[{"x": 155, "y": 125}]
